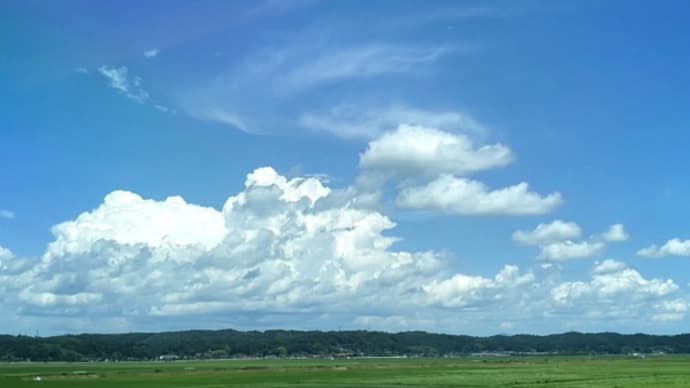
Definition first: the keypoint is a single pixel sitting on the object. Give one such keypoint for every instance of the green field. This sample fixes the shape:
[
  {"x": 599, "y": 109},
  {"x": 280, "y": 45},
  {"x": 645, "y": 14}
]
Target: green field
[{"x": 667, "y": 371}]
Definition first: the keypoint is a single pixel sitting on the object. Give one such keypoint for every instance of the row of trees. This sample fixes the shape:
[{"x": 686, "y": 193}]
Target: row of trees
[{"x": 285, "y": 343}]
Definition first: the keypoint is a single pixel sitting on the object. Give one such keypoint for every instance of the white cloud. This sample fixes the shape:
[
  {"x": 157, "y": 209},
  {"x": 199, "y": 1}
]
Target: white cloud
[
  {"x": 284, "y": 251},
  {"x": 359, "y": 62},
  {"x": 165, "y": 109},
  {"x": 119, "y": 80},
  {"x": 419, "y": 151},
  {"x": 7, "y": 214},
  {"x": 671, "y": 310},
  {"x": 309, "y": 66},
  {"x": 616, "y": 233},
  {"x": 151, "y": 53},
  {"x": 569, "y": 250},
  {"x": 357, "y": 121},
  {"x": 225, "y": 117},
  {"x": 281, "y": 245},
  {"x": 5, "y": 253},
  {"x": 615, "y": 291},
  {"x": 548, "y": 233},
  {"x": 557, "y": 240},
  {"x": 448, "y": 194},
  {"x": 463, "y": 291},
  {"x": 127, "y": 219},
  {"x": 673, "y": 247}
]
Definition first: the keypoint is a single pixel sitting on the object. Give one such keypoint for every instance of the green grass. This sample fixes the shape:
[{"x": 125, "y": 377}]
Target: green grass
[{"x": 667, "y": 371}]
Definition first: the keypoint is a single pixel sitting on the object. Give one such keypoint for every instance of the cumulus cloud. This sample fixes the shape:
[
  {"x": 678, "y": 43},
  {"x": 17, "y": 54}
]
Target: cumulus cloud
[
  {"x": 448, "y": 194},
  {"x": 557, "y": 240},
  {"x": 419, "y": 151},
  {"x": 151, "y": 53},
  {"x": 7, "y": 214},
  {"x": 671, "y": 310},
  {"x": 569, "y": 250},
  {"x": 673, "y": 247},
  {"x": 615, "y": 291},
  {"x": 280, "y": 245},
  {"x": 119, "y": 80},
  {"x": 356, "y": 121},
  {"x": 284, "y": 251},
  {"x": 616, "y": 233},
  {"x": 126, "y": 218},
  {"x": 548, "y": 233},
  {"x": 5, "y": 254},
  {"x": 462, "y": 290}
]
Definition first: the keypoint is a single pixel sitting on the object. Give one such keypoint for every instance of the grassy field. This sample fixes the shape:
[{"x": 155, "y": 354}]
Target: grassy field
[{"x": 667, "y": 371}]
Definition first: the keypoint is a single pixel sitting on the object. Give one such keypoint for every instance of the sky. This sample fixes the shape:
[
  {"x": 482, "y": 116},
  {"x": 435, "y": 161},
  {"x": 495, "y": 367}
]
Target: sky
[{"x": 465, "y": 167}]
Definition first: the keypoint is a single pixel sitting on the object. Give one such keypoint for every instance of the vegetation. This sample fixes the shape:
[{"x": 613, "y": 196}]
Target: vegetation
[
  {"x": 555, "y": 371},
  {"x": 281, "y": 343}
]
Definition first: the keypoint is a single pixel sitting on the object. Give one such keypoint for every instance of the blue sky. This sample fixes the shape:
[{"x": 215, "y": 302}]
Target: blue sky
[{"x": 463, "y": 167}]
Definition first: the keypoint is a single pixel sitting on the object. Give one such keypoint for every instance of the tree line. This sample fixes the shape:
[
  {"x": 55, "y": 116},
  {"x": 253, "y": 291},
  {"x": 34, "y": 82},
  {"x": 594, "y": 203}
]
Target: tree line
[{"x": 199, "y": 344}]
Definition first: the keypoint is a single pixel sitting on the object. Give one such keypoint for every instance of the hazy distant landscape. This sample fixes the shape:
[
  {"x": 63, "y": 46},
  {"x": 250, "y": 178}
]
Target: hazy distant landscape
[{"x": 221, "y": 344}]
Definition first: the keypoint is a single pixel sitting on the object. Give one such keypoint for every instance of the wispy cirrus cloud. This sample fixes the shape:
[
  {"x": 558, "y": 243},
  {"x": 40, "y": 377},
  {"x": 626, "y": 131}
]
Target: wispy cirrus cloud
[
  {"x": 119, "y": 79},
  {"x": 7, "y": 214},
  {"x": 362, "y": 61},
  {"x": 281, "y": 76},
  {"x": 360, "y": 121}
]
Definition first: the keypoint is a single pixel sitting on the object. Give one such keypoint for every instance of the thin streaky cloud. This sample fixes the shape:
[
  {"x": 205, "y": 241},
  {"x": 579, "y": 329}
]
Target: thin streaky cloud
[
  {"x": 361, "y": 121},
  {"x": 361, "y": 62},
  {"x": 119, "y": 80}
]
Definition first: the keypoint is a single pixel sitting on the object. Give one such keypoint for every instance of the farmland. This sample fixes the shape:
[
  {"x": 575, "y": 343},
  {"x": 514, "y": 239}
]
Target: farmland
[{"x": 553, "y": 371}]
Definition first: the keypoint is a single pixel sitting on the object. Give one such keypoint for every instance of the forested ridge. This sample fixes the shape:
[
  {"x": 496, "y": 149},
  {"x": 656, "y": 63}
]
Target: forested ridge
[{"x": 198, "y": 344}]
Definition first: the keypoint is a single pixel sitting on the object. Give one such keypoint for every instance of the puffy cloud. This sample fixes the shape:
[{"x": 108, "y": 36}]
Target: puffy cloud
[
  {"x": 355, "y": 121},
  {"x": 119, "y": 80},
  {"x": 419, "y": 151},
  {"x": 126, "y": 218},
  {"x": 448, "y": 194},
  {"x": 556, "y": 240},
  {"x": 279, "y": 246},
  {"x": 548, "y": 233},
  {"x": 279, "y": 253},
  {"x": 615, "y": 291},
  {"x": 569, "y": 250},
  {"x": 462, "y": 290},
  {"x": 616, "y": 233},
  {"x": 5, "y": 255},
  {"x": 673, "y": 247}
]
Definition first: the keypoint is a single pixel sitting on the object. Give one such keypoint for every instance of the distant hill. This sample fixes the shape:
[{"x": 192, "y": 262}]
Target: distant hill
[{"x": 196, "y": 344}]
